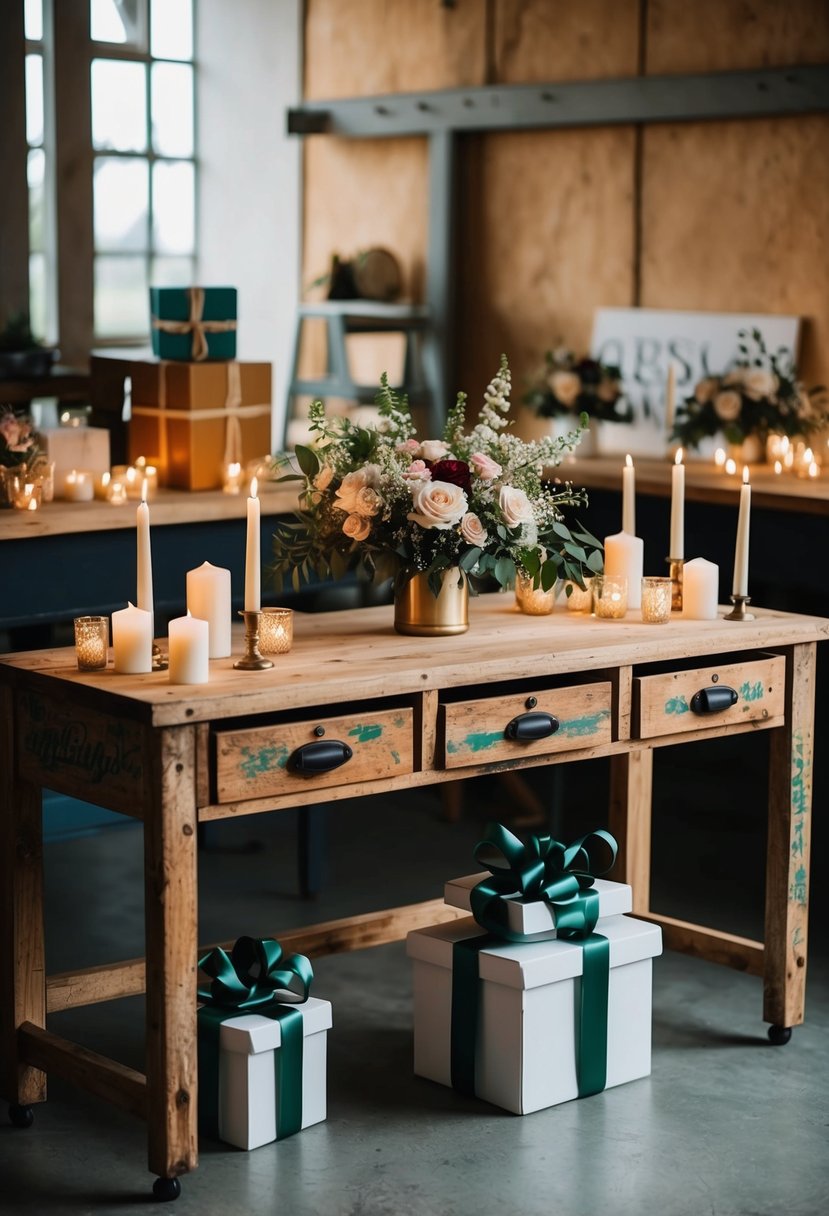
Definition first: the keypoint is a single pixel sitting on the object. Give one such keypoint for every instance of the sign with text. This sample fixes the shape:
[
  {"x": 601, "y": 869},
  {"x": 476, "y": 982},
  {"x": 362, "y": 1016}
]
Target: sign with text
[{"x": 644, "y": 341}]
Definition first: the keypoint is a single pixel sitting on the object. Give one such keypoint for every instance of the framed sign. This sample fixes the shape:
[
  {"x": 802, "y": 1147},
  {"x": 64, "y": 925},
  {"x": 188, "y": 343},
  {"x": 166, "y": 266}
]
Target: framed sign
[{"x": 644, "y": 341}]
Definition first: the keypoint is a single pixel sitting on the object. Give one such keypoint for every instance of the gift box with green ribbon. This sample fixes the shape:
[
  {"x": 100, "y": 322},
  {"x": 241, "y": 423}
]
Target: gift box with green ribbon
[
  {"x": 527, "y": 1023},
  {"x": 262, "y": 1044},
  {"x": 193, "y": 323}
]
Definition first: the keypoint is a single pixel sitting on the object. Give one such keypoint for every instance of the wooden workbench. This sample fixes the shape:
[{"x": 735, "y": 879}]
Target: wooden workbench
[{"x": 415, "y": 711}]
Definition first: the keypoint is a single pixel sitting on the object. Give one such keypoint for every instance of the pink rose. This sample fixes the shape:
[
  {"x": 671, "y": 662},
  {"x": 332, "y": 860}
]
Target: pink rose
[
  {"x": 516, "y": 508},
  {"x": 437, "y": 504},
  {"x": 417, "y": 471},
  {"x": 485, "y": 466},
  {"x": 356, "y": 527},
  {"x": 433, "y": 449},
  {"x": 408, "y": 447},
  {"x": 473, "y": 530}
]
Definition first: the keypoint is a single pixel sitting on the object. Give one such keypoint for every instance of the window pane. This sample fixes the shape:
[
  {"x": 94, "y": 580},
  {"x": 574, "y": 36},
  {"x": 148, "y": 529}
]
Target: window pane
[
  {"x": 33, "y": 19},
  {"x": 172, "y": 272},
  {"x": 171, "y": 29},
  {"x": 121, "y": 298},
  {"x": 173, "y": 207},
  {"x": 38, "y": 309},
  {"x": 36, "y": 172},
  {"x": 34, "y": 99},
  {"x": 121, "y": 203},
  {"x": 119, "y": 106},
  {"x": 172, "y": 121},
  {"x": 117, "y": 21}
]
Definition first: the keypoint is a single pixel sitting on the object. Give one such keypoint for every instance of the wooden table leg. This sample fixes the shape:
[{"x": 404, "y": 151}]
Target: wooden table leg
[
  {"x": 22, "y": 966},
  {"x": 631, "y": 793},
  {"x": 787, "y": 858},
  {"x": 171, "y": 915}
]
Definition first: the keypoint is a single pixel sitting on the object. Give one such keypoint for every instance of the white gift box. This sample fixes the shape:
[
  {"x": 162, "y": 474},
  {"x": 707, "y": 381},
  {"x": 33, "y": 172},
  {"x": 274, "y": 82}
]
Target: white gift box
[
  {"x": 77, "y": 447},
  {"x": 248, "y": 1094},
  {"x": 525, "y": 1055},
  {"x": 536, "y": 918}
]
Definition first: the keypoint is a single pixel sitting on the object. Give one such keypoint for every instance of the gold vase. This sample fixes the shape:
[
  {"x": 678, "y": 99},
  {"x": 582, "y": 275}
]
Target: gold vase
[{"x": 417, "y": 611}]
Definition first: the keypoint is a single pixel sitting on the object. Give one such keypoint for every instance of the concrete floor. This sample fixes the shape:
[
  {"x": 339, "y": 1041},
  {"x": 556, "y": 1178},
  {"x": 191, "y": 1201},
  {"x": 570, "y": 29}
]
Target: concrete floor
[{"x": 726, "y": 1125}]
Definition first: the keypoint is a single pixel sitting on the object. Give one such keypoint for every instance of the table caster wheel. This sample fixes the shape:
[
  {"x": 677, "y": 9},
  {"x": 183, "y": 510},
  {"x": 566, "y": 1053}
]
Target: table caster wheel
[
  {"x": 165, "y": 1190},
  {"x": 779, "y": 1035},
  {"x": 21, "y": 1116}
]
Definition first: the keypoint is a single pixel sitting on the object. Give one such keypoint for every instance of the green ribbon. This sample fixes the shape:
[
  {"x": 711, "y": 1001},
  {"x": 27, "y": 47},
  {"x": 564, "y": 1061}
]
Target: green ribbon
[
  {"x": 562, "y": 876},
  {"x": 254, "y": 978}
]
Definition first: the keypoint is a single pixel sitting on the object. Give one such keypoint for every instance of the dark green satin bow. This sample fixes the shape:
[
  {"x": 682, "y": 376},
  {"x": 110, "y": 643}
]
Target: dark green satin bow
[{"x": 254, "y": 978}]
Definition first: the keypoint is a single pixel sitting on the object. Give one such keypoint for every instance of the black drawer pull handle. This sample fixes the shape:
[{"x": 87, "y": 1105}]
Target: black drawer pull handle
[
  {"x": 320, "y": 757},
  {"x": 526, "y": 728},
  {"x": 713, "y": 700}
]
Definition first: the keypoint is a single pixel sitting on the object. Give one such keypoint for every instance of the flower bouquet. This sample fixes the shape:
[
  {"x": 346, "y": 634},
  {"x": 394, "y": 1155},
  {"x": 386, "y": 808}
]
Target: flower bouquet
[
  {"x": 381, "y": 500},
  {"x": 20, "y": 453},
  {"x": 566, "y": 385},
  {"x": 760, "y": 395}
]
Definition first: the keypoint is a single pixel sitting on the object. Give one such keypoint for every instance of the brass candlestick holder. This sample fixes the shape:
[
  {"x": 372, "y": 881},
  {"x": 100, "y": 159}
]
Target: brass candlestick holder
[
  {"x": 738, "y": 612},
  {"x": 675, "y": 569},
  {"x": 252, "y": 660},
  {"x": 160, "y": 660}
]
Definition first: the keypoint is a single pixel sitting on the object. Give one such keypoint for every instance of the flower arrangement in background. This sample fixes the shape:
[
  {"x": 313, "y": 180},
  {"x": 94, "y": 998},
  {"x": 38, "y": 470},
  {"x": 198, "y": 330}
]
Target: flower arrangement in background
[
  {"x": 567, "y": 385},
  {"x": 383, "y": 501},
  {"x": 19, "y": 442},
  {"x": 760, "y": 395}
]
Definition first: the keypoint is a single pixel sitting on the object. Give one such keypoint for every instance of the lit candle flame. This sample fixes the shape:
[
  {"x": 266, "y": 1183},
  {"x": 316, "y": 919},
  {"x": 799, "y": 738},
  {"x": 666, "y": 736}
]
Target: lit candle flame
[
  {"x": 719, "y": 457},
  {"x": 145, "y": 485},
  {"x": 808, "y": 456},
  {"x": 788, "y": 459},
  {"x": 629, "y": 461},
  {"x": 105, "y": 479},
  {"x": 778, "y": 468},
  {"x": 745, "y": 474},
  {"x": 254, "y": 486},
  {"x": 678, "y": 457},
  {"x": 813, "y": 469},
  {"x": 731, "y": 466}
]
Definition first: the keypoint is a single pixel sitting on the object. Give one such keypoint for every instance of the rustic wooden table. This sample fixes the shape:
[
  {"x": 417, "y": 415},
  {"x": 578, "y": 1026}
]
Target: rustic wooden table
[{"x": 413, "y": 711}]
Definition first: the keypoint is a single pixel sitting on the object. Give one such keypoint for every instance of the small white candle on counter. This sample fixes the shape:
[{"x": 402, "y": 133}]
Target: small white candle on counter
[
  {"x": 719, "y": 458},
  {"x": 670, "y": 398},
  {"x": 740, "y": 584},
  {"x": 132, "y": 640},
  {"x": 629, "y": 497},
  {"x": 208, "y": 599},
  {"x": 78, "y": 486},
  {"x": 676, "y": 548},
  {"x": 102, "y": 486},
  {"x": 625, "y": 555},
  {"x": 730, "y": 467},
  {"x": 145, "y": 564},
  {"x": 188, "y": 647},
  {"x": 700, "y": 589},
  {"x": 253, "y": 601}
]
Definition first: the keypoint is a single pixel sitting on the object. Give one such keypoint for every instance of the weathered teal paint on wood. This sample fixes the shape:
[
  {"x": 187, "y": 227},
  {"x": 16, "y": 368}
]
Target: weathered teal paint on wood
[
  {"x": 677, "y": 705},
  {"x": 264, "y": 760},
  {"x": 752, "y": 692},
  {"x": 363, "y": 734},
  {"x": 587, "y": 725}
]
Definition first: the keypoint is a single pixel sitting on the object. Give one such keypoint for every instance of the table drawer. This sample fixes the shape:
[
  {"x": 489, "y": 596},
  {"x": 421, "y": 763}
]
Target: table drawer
[
  {"x": 259, "y": 761},
  {"x": 680, "y": 701},
  {"x": 475, "y": 732}
]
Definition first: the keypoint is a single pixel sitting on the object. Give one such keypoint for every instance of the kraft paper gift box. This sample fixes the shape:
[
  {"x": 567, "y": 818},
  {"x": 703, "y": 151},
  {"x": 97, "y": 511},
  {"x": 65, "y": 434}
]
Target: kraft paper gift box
[
  {"x": 535, "y": 919},
  {"x": 250, "y": 1048},
  {"x": 77, "y": 447},
  {"x": 191, "y": 419},
  {"x": 193, "y": 322},
  {"x": 524, "y": 1045}
]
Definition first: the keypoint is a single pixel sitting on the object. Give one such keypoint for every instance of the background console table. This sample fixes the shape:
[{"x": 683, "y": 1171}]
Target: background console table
[{"x": 415, "y": 712}]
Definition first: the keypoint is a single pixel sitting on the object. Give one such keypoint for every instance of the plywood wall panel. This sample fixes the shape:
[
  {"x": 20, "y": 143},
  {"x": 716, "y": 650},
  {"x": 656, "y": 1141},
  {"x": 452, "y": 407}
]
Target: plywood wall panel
[
  {"x": 363, "y": 48},
  {"x": 723, "y": 35},
  {"x": 544, "y": 40},
  {"x": 736, "y": 217},
  {"x": 547, "y": 237}
]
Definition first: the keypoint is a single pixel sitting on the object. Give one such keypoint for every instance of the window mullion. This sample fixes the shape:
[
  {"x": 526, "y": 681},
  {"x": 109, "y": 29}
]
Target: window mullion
[{"x": 14, "y": 151}]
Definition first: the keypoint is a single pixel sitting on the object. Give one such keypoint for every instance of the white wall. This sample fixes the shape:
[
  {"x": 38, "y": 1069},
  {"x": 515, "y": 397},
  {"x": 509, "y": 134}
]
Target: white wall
[{"x": 249, "y": 55}]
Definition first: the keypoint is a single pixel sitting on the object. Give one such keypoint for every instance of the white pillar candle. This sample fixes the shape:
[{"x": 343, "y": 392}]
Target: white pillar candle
[
  {"x": 78, "y": 486},
  {"x": 145, "y": 565},
  {"x": 676, "y": 548},
  {"x": 208, "y": 599},
  {"x": 625, "y": 554},
  {"x": 740, "y": 584},
  {"x": 670, "y": 398},
  {"x": 700, "y": 590},
  {"x": 132, "y": 640},
  {"x": 252, "y": 576},
  {"x": 188, "y": 647},
  {"x": 629, "y": 497}
]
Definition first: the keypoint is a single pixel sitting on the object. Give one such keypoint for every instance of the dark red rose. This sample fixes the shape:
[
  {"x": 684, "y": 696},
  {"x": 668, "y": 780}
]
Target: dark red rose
[{"x": 455, "y": 472}]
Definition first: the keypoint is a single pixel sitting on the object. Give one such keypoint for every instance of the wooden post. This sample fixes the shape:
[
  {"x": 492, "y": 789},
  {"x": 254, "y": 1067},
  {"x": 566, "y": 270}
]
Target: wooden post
[
  {"x": 631, "y": 794},
  {"x": 22, "y": 967},
  {"x": 172, "y": 949},
  {"x": 787, "y": 854}
]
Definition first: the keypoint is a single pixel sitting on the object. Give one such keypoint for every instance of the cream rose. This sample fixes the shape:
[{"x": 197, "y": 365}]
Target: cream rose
[
  {"x": 485, "y": 466},
  {"x": 356, "y": 527},
  {"x": 352, "y": 483},
  {"x": 727, "y": 405},
  {"x": 566, "y": 386},
  {"x": 759, "y": 382},
  {"x": 367, "y": 501},
  {"x": 433, "y": 449},
  {"x": 473, "y": 530},
  {"x": 516, "y": 508},
  {"x": 323, "y": 479},
  {"x": 437, "y": 504},
  {"x": 409, "y": 447},
  {"x": 705, "y": 390}
]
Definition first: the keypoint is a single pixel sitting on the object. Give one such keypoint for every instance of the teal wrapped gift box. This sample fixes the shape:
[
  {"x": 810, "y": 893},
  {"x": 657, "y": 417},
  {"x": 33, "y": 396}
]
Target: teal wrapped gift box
[{"x": 190, "y": 324}]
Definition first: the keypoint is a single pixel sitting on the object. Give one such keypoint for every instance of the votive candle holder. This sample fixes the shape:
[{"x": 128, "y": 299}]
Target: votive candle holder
[
  {"x": 580, "y": 600},
  {"x": 276, "y": 630},
  {"x": 610, "y": 596},
  {"x": 28, "y": 495},
  {"x": 534, "y": 601},
  {"x": 91, "y": 641},
  {"x": 657, "y": 597}
]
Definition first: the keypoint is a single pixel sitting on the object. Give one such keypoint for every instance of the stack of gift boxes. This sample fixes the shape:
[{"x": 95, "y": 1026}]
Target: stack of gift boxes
[{"x": 196, "y": 410}]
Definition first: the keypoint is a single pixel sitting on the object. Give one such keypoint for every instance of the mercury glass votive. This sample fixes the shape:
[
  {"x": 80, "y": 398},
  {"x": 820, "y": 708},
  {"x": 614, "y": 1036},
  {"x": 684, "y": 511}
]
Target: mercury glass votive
[
  {"x": 534, "y": 601},
  {"x": 580, "y": 600},
  {"x": 610, "y": 596},
  {"x": 276, "y": 630},
  {"x": 28, "y": 495},
  {"x": 656, "y": 600},
  {"x": 91, "y": 640},
  {"x": 232, "y": 478}
]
